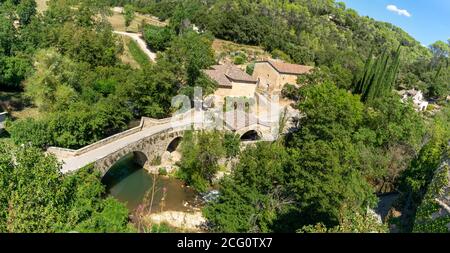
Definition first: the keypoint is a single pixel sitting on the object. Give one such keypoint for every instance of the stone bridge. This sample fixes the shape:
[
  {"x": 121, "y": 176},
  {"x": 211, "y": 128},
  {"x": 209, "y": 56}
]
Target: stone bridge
[{"x": 152, "y": 138}]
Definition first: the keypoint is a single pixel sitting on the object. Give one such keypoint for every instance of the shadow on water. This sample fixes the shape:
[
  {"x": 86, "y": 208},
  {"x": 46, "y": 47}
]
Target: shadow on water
[
  {"x": 128, "y": 182},
  {"x": 385, "y": 203}
]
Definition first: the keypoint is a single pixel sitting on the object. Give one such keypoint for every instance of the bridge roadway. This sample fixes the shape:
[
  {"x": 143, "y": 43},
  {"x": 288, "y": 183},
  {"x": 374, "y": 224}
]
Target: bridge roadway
[{"x": 73, "y": 160}]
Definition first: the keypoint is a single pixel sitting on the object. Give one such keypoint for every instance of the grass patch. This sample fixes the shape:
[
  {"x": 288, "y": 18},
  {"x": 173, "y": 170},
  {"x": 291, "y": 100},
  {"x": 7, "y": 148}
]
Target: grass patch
[
  {"x": 162, "y": 171},
  {"x": 156, "y": 161},
  {"x": 139, "y": 56},
  {"x": 126, "y": 56},
  {"x": 163, "y": 228},
  {"x": 230, "y": 50},
  {"x": 117, "y": 21},
  {"x": 41, "y": 5},
  {"x": 17, "y": 105}
]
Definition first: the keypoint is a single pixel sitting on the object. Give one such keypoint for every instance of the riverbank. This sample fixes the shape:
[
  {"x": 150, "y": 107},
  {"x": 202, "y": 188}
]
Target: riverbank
[{"x": 181, "y": 221}]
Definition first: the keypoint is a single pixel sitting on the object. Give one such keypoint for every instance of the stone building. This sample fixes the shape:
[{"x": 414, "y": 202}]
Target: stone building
[
  {"x": 232, "y": 81},
  {"x": 420, "y": 104},
  {"x": 272, "y": 75}
]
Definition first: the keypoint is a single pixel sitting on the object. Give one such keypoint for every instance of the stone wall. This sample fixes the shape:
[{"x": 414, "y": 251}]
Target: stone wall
[
  {"x": 266, "y": 75},
  {"x": 145, "y": 123},
  {"x": 152, "y": 147},
  {"x": 237, "y": 90},
  {"x": 2, "y": 120},
  {"x": 149, "y": 122},
  {"x": 433, "y": 214},
  {"x": 149, "y": 147},
  {"x": 287, "y": 78}
]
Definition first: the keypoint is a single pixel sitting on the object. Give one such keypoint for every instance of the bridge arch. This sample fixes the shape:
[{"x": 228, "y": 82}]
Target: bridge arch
[
  {"x": 139, "y": 157},
  {"x": 251, "y": 135},
  {"x": 174, "y": 144},
  {"x": 121, "y": 168}
]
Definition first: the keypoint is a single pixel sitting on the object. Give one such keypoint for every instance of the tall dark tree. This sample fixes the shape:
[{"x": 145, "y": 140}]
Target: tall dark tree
[
  {"x": 379, "y": 76},
  {"x": 26, "y": 10}
]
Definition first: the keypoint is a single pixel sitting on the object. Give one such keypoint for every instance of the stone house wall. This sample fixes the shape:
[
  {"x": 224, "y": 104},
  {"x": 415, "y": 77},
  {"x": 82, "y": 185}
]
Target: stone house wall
[
  {"x": 238, "y": 89},
  {"x": 270, "y": 79}
]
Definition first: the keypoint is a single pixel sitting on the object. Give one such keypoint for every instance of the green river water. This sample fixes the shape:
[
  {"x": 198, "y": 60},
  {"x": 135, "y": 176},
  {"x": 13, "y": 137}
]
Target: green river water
[{"x": 129, "y": 183}]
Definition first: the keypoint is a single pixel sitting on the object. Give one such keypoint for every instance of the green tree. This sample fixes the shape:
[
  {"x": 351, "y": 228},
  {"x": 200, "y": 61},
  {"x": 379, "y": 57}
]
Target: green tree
[
  {"x": 414, "y": 182},
  {"x": 330, "y": 112},
  {"x": 13, "y": 71},
  {"x": 200, "y": 155},
  {"x": 128, "y": 14},
  {"x": 394, "y": 122},
  {"x": 7, "y": 35},
  {"x": 97, "y": 47},
  {"x": 54, "y": 82},
  {"x": 254, "y": 194},
  {"x": 231, "y": 143},
  {"x": 191, "y": 53},
  {"x": 271, "y": 190},
  {"x": 379, "y": 77},
  {"x": 440, "y": 50},
  {"x": 26, "y": 10},
  {"x": 350, "y": 223},
  {"x": 30, "y": 131},
  {"x": 157, "y": 38},
  {"x": 35, "y": 197}
]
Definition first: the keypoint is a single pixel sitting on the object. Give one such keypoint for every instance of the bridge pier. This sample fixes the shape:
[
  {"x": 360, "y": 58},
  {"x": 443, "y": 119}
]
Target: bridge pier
[{"x": 145, "y": 151}]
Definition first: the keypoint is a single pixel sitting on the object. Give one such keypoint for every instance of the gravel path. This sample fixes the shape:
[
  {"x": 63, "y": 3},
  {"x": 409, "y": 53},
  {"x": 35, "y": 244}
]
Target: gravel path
[{"x": 137, "y": 37}]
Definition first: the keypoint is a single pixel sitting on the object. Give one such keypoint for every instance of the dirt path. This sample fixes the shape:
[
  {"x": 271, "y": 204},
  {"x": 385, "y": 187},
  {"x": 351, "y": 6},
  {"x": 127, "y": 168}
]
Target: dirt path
[{"x": 138, "y": 39}]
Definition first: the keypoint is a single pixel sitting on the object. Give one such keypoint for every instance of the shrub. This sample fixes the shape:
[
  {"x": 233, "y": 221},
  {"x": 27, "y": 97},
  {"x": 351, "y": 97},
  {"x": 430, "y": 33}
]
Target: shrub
[
  {"x": 156, "y": 161},
  {"x": 162, "y": 171},
  {"x": 157, "y": 38},
  {"x": 239, "y": 60},
  {"x": 291, "y": 92},
  {"x": 250, "y": 68},
  {"x": 278, "y": 54},
  {"x": 200, "y": 154},
  {"x": 231, "y": 143}
]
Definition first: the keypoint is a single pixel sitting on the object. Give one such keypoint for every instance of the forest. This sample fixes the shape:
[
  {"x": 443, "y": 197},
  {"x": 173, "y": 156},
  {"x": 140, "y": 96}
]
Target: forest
[{"x": 357, "y": 141}]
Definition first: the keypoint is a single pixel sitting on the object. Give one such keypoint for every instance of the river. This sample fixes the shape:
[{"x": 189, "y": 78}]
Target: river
[{"x": 129, "y": 183}]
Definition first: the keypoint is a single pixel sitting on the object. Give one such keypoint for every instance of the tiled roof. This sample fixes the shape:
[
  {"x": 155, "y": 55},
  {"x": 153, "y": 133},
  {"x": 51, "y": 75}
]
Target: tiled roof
[
  {"x": 288, "y": 68},
  {"x": 225, "y": 74}
]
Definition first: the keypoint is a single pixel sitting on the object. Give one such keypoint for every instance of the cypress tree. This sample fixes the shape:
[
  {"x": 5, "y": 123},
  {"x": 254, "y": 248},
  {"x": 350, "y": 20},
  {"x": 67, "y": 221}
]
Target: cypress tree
[{"x": 379, "y": 76}]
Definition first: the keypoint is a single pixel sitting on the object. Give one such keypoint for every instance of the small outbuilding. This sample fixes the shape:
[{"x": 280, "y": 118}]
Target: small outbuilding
[{"x": 272, "y": 75}]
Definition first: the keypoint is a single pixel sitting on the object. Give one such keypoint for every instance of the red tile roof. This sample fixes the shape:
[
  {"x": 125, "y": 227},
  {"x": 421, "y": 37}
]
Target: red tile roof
[
  {"x": 288, "y": 68},
  {"x": 228, "y": 73}
]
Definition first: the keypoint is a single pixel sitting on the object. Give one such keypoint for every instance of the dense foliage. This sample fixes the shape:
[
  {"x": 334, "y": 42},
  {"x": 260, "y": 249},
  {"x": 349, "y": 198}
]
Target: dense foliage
[
  {"x": 128, "y": 14},
  {"x": 429, "y": 219},
  {"x": 157, "y": 38},
  {"x": 379, "y": 77},
  {"x": 320, "y": 178},
  {"x": 77, "y": 81},
  {"x": 414, "y": 183},
  {"x": 350, "y": 223},
  {"x": 324, "y": 176},
  {"x": 35, "y": 197},
  {"x": 200, "y": 155},
  {"x": 322, "y": 33}
]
